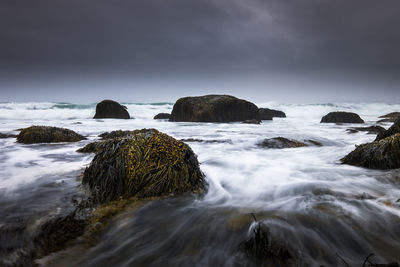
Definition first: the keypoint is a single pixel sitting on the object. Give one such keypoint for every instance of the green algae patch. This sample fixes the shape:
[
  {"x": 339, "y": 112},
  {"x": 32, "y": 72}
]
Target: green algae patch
[
  {"x": 145, "y": 164},
  {"x": 47, "y": 134}
]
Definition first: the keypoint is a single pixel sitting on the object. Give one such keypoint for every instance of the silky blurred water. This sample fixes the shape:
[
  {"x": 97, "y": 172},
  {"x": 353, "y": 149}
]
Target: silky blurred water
[{"x": 304, "y": 194}]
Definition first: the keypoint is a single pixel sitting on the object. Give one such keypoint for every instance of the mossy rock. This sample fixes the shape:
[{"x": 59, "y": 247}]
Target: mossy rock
[
  {"x": 115, "y": 134},
  {"x": 3, "y": 135},
  {"x": 390, "y": 117},
  {"x": 213, "y": 108},
  {"x": 147, "y": 163},
  {"x": 375, "y": 129},
  {"x": 47, "y": 134},
  {"x": 280, "y": 142},
  {"x": 383, "y": 154},
  {"x": 394, "y": 129},
  {"x": 341, "y": 117}
]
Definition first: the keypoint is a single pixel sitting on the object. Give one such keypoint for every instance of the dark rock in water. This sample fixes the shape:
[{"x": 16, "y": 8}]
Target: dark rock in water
[
  {"x": 281, "y": 142},
  {"x": 386, "y": 120},
  {"x": 56, "y": 234},
  {"x": 267, "y": 250},
  {"x": 253, "y": 121},
  {"x": 370, "y": 130},
  {"x": 3, "y": 135},
  {"x": 161, "y": 116},
  {"x": 89, "y": 148},
  {"x": 115, "y": 134},
  {"x": 109, "y": 109},
  {"x": 205, "y": 141},
  {"x": 268, "y": 114},
  {"x": 383, "y": 154},
  {"x": 213, "y": 108},
  {"x": 394, "y": 129},
  {"x": 342, "y": 117},
  {"x": 47, "y": 134},
  {"x": 392, "y": 115},
  {"x": 313, "y": 142},
  {"x": 145, "y": 164}
]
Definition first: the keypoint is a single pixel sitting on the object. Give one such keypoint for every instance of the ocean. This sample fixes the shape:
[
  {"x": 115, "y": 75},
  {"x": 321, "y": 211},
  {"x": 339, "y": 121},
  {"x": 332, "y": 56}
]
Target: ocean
[{"x": 305, "y": 195}]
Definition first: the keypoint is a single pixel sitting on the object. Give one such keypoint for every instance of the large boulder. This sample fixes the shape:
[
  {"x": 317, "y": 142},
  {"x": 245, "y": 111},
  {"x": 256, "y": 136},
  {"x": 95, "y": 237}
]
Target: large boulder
[
  {"x": 280, "y": 142},
  {"x": 109, "y": 109},
  {"x": 383, "y": 154},
  {"x": 341, "y": 117},
  {"x": 394, "y": 129},
  {"x": 47, "y": 134},
  {"x": 268, "y": 114},
  {"x": 162, "y": 116},
  {"x": 145, "y": 164},
  {"x": 213, "y": 108}
]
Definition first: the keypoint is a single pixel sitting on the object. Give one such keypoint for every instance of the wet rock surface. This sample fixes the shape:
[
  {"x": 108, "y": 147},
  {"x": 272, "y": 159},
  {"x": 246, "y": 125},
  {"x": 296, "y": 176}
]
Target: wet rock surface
[
  {"x": 268, "y": 114},
  {"x": 213, "y": 108},
  {"x": 341, "y": 117},
  {"x": 47, "y": 134},
  {"x": 109, "y": 109}
]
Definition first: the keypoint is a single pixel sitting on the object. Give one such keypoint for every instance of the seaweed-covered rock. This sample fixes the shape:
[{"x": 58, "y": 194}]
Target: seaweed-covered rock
[
  {"x": 109, "y": 109},
  {"x": 115, "y": 134},
  {"x": 161, "y": 116},
  {"x": 280, "y": 142},
  {"x": 268, "y": 114},
  {"x": 145, "y": 164},
  {"x": 266, "y": 250},
  {"x": 394, "y": 129},
  {"x": 341, "y": 117},
  {"x": 213, "y": 108},
  {"x": 253, "y": 121},
  {"x": 383, "y": 154},
  {"x": 47, "y": 134},
  {"x": 370, "y": 130}
]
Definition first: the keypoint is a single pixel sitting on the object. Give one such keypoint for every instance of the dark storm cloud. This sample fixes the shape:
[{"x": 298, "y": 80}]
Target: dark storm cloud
[{"x": 201, "y": 35}]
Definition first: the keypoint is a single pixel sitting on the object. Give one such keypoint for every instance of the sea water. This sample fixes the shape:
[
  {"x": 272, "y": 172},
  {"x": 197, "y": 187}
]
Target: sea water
[{"x": 305, "y": 195}]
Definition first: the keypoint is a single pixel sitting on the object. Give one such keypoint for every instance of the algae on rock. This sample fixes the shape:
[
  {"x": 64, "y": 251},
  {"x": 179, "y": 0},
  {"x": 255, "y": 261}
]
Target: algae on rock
[{"x": 146, "y": 163}]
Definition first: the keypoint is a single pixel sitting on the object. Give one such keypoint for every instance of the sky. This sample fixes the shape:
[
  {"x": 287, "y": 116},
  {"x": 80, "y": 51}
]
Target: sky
[{"x": 159, "y": 50}]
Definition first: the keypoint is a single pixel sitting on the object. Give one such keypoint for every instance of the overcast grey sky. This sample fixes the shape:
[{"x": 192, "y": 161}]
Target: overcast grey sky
[{"x": 159, "y": 50}]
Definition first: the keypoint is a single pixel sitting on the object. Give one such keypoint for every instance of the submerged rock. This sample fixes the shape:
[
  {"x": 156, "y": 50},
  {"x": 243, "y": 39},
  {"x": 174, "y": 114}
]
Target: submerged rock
[
  {"x": 267, "y": 250},
  {"x": 268, "y": 114},
  {"x": 3, "y": 135},
  {"x": 370, "y": 130},
  {"x": 383, "y": 154},
  {"x": 341, "y": 117},
  {"x": 394, "y": 129},
  {"x": 145, "y": 164},
  {"x": 161, "y": 116},
  {"x": 253, "y": 121},
  {"x": 109, "y": 109},
  {"x": 280, "y": 142},
  {"x": 47, "y": 134},
  {"x": 213, "y": 108}
]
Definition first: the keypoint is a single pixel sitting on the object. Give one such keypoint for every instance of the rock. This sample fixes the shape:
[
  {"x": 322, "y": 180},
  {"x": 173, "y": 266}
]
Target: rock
[
  {"x": 109, "y": 109},
  {"x": 47, "y": 134},
  {"x": 213, "y": 108},
  {"x": 383, "y": 154},
  {"x": 195, "y": 140},
  {"x": 342, "y": 117},
  {"x": 89, "y": 148},
  {"x": 268, "y": 114},
  {"x": 392, "y": 115},
  {"x": 280, "y": 142},
  {"x": 145, "y": 164},
  {"x": 161, "y": 116},
  {"x": 253, "y": 121},
  {"x": 313, "y": 142},
  {"x": 370, "y": 130},
  {"x": 266, "y": 250},
  {"x": 3, "y": 135},
  {"x": 115, "y": 134},
  {"x": 394, "y": 129},
  {"x": 386, "y": 120}
]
